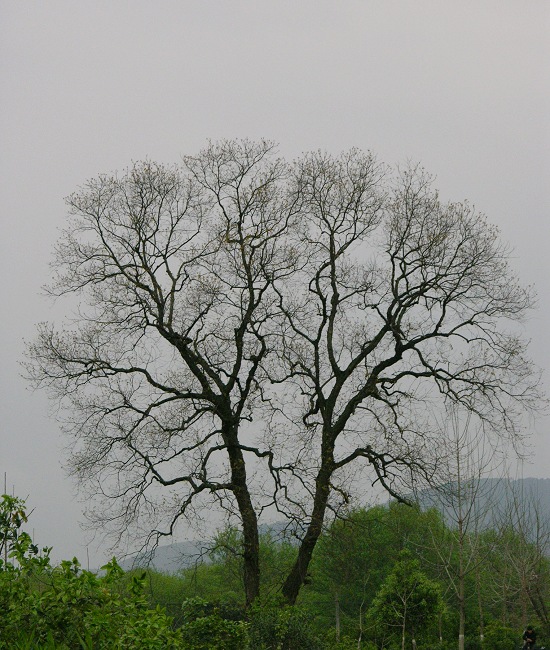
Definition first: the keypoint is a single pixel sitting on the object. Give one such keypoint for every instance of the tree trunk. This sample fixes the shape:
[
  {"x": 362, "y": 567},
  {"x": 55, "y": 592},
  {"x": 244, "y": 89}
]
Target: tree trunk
[
  {"x": 504, "y": 619},
  {"x": 480, "y": 607},
  {"x": 298, "y": 573},
  {"x": 404, "y": 626},
  {"x": 251, "y": 543},
  {"x": 461, "y": 572},
  {"x": 360, "y": 637},
  {"x": 524, "y": 616},
  {"x": 462, "y": 617}
]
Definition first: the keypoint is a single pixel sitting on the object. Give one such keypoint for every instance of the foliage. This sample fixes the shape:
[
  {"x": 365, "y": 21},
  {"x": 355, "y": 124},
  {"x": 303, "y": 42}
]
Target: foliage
[
  {"x": 223, "y": 573},
  {"x": 67, "y": 606},
  {"x": 12, "y": 517},
  {"x": 164, "y": 590},
  {"x": 276, "y": 626},
  {"x": 330, "y": 642},
  {"x": 356, "y": 554},
  {"x": 70, "y": 605},
  {"x": 377, "y": 561},
  {"x": 407, "y": 600},
  {"x": 207, "y": 630},
  {"x": 499, "y": 637}
]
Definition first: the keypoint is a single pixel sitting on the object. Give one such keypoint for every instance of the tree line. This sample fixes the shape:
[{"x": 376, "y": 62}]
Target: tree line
[{"x": 383, "y": 577}]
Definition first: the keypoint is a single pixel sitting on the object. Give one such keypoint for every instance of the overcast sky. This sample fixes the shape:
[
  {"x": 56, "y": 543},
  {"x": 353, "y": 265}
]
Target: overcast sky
[{"x": 90, "y": 86}]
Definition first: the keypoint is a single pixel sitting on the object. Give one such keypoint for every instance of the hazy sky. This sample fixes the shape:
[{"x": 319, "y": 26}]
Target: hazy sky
[{"x": 90, "y": 86}]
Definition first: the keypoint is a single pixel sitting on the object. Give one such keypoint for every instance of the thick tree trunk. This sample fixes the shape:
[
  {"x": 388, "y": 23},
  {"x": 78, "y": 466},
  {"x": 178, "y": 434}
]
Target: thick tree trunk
[
  {"x": 251, "y": 544},
  {"x": 251, "y": 555},
  {"x": 298, "y": 573}
]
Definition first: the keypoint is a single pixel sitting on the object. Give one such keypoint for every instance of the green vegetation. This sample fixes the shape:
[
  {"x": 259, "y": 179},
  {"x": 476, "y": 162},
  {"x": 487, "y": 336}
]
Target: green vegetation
[
  {"x": 376, "y": 582},
  {"x": 407, "y": 602},
  {"x": 66, "y": 607}
]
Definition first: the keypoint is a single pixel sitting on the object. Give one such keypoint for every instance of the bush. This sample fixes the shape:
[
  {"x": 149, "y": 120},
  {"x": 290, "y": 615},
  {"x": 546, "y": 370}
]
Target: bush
[
  {"x": 499, "y": 637},
  {"x": 345, "y": 643},
  {"x": 205, "y": 629},
  {"x": 71, "y": 608},
  {"x": 280, "y": 627},
  {"x": 65, "y": 607}
]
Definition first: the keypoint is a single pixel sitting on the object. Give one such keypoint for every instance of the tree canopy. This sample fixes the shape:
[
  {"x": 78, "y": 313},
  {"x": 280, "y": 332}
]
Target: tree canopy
[{"x": 406, "y": 601}]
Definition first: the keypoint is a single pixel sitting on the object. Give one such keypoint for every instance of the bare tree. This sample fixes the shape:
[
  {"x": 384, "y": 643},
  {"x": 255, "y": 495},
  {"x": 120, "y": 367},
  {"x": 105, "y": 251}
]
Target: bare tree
[
  {"x": 174, "y": 266},
  {"x": 399, "y": 307},
  {"x": 467, "y": 499},
  {"x": 520, "y": 574},
  {"x": 249, "y": 331}
]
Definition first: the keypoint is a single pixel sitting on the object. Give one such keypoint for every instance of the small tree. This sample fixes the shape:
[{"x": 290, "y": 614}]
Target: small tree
[
  {"x": 521, "y": 567},
  {"x": 408, "y": 600},
  {"x": 355, "y": 556},
  {"x": 348, "y": 564},
  {"x": 12, "y": 516},
  {"x": 466, "y": 498}
]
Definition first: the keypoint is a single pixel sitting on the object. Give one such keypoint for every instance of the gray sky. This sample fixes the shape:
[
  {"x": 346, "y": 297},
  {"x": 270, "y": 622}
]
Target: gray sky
[{"x": 88, "y": 87}]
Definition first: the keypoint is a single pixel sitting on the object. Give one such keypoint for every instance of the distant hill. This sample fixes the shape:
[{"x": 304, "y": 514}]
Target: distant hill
[
  {"x": 171, "y": 558},
  {"x": 494, "y": 495}
]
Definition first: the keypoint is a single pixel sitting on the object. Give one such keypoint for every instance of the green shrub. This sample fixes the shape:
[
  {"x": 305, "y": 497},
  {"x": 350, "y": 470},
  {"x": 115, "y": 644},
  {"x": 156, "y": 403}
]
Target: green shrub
[
  {"x": 345, "y": 643},
  {"x": 72, "y": 608},
  {"x": 499, "y": 637},
  {"x": 65, "y": 607},
  {"x": 205, "y": 629},
  {"x": 275, "y": 626}
]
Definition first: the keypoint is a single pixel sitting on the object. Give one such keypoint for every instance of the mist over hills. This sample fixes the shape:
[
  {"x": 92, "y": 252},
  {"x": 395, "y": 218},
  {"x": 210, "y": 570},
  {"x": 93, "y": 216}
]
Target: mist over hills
[
  {"x": 171, "y": 558},
  {"x": 493, "y": 498}
]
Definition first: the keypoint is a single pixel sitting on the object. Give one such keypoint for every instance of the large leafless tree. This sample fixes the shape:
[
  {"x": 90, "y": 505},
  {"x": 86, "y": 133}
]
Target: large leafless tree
[{"x": 250, "y": 333}]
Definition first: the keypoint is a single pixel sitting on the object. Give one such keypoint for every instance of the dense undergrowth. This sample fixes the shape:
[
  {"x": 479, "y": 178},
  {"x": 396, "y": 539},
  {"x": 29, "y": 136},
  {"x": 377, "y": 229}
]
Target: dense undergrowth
[{"x": 366, "y": 573}]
